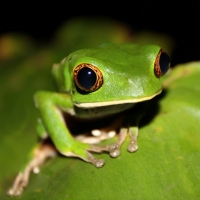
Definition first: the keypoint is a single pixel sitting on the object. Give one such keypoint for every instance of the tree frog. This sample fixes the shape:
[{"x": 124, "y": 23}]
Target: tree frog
[{"x": 95, "y": 85}]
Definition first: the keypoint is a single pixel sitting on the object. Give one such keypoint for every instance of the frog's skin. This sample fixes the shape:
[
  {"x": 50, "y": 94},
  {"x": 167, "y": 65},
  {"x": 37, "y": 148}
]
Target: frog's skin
[{"x": 95, "y": 84}]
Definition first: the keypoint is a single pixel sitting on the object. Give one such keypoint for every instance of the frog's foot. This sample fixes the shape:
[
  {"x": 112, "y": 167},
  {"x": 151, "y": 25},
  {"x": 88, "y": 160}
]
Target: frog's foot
[
  {"x": 113, "y": 149},
  {"x": 82, "y": 151},
  {"x": 133, "y": 133},
  {"x": 96, "y": 162},
  {"x": 98, "y": 136},
  {"x": 40, "y": 154}
]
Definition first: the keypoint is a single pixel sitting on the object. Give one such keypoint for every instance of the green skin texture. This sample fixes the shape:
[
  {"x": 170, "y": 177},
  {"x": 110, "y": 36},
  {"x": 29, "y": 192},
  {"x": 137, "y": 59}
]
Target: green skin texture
[{"x": 133, "y": 67}]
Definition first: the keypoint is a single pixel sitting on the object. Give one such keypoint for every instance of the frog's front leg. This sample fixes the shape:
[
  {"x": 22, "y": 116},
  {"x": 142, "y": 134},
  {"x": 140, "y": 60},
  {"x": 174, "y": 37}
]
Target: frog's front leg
[{"x": 51, "y": 105}]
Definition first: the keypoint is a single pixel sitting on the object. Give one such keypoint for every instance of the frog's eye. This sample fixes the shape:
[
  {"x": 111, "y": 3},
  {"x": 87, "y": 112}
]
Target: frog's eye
[
  {"x": 162, "y": 64},
  {"x": 88, "y": 77}
]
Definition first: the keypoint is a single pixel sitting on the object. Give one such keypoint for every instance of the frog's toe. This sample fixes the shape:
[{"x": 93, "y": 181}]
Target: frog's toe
[
  {"x": 133, "y": 139},
  {"x": 96, "y": 162},
  {"x": 114, "y": 150},
  {"x": 82, "y": 151},
  {"x": 20, "y": 183},
  {"x": 132, "y": 147}
]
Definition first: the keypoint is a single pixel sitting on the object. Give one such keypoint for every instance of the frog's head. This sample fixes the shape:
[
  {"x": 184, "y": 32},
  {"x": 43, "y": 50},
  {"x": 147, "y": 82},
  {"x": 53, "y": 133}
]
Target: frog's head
[{"x": 116, "y": 74}]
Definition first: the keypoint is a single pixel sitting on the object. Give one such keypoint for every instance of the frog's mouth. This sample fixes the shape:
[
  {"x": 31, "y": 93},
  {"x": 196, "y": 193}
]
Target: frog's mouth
[{"x": 115, "y": 102}]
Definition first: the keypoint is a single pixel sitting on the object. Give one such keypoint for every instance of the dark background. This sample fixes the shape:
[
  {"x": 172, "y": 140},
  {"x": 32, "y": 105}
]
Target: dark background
[{"x": 179, "y": 19}]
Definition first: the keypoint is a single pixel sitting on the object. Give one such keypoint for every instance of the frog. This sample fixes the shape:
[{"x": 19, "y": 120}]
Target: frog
[{"x": 94, "y": 84}]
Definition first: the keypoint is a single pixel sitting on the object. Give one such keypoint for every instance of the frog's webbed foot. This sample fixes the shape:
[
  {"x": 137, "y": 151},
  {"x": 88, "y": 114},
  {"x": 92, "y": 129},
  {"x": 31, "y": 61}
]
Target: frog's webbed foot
[
  {"x": 106, "y": 133},
  {"x": 96, "y": 162},
  {"x": 114, "y": 149},
  {"x": 100, "y": 135},
  {"x": 40, "y": 154}
]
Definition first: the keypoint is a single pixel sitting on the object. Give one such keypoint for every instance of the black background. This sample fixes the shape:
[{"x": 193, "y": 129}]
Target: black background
[{"x": 179, "y": 19}]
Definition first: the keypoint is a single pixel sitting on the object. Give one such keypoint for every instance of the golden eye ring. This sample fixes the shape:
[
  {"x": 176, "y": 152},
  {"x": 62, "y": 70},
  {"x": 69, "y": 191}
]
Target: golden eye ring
[
  {"x": 162, "y": 64},
  {"x": 88, "y": 77}
]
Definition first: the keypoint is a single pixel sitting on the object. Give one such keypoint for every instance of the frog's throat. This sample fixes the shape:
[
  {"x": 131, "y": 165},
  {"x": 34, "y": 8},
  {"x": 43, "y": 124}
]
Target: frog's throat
[{"x": 115, "y": 102}]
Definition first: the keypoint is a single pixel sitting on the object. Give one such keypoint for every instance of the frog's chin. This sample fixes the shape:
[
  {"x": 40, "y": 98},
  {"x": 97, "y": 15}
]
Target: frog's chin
[{"x": 115, "y": 102}]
